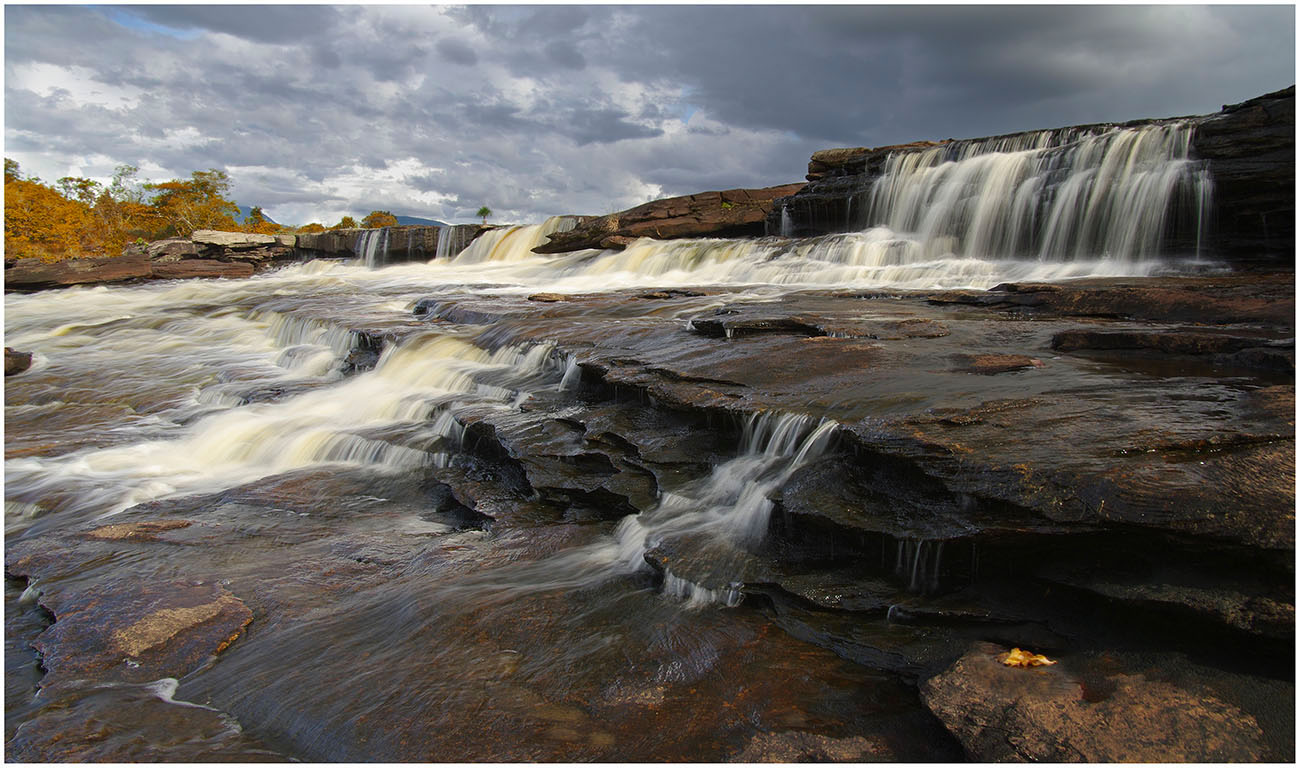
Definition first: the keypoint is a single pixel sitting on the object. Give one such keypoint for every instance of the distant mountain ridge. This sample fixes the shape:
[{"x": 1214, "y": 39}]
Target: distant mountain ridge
[
  {"x": 245, "y": 210},
  {"x": 406, "y": 221}
]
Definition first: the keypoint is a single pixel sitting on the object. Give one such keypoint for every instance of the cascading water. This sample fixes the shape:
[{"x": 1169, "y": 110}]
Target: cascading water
[
  {"x": 1065, "y": 195},
  {"x": 509, "y": 244},
  {"x": 372, "y": 247}
]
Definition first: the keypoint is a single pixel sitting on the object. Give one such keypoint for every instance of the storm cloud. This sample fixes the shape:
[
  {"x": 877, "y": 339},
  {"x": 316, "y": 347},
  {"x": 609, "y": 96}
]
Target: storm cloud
[{"x": 317, "y": 112}]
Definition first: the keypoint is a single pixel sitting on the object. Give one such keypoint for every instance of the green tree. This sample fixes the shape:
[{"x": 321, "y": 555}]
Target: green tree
[
  {"x": 182, "y": 206},
  {"x": 484, "y": 212},
  {"x": 377, "y": 219},
  {"x": 83, "y": 190}
]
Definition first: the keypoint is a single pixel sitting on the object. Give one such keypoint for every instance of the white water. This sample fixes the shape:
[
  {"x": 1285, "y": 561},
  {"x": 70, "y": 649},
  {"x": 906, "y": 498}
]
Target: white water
[
  {"x": 729, "y": 508},
  {"x": 372, "y": 247},
  {"x": 1052, "y": 196}
]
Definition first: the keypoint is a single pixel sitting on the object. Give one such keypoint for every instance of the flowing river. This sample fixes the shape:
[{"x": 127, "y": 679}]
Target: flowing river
[{"x": 395, "y": 621}]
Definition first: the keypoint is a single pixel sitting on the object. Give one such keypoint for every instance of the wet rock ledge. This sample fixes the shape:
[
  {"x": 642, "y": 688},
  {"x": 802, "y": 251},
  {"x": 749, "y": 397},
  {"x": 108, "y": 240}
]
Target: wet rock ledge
[{"x": 1102, "y": 471}]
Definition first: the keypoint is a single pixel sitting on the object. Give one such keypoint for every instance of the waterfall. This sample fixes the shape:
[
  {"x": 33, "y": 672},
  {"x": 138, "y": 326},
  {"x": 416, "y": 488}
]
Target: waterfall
[
  {"x": 787, "y": 225},
  {"x": 511, "y": 244},
  {"x": 728, "y": 510},
  {"x": 918, "y": 563},
  {"x": 372, "y": 247},
  {"x": 445, "y": 234},
  {"x": 1052, "y": 196}
]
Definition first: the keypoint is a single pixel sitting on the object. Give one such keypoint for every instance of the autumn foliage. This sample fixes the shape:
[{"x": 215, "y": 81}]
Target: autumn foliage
[
  {"x": 377, "y": 219},
  {"x": 80, "y": 217}
]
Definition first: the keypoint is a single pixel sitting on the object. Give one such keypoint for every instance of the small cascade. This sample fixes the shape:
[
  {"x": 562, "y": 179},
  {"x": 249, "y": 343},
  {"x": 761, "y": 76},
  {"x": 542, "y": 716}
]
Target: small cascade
[
  {"x": 787, "y": 224},
  {"x": 572, "y": 374},
  {"x": 1066, "y": 195},
  {"x": 919, "y": 564},
  {"x": 372, "y": 247},
  {"x": 410, "y": 389},
  {"x": 445, "y": 234},
  {"x": 730, "y": 506},
  {"x": 510, "y": 244}
]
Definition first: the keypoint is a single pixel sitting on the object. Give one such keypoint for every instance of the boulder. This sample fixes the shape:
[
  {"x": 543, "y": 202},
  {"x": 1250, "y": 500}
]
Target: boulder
[
  {"x": 730, "y": 213},
  {"x": 1051, "y": 713},
  {"x": 16, "y": 362},
  {"x": 170, "y": 250}
]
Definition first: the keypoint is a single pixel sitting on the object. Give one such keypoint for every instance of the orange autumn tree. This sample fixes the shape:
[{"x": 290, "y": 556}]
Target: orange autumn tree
[
  {"x": 377, "y": 219},
  {"x": 41, "y": 223}
]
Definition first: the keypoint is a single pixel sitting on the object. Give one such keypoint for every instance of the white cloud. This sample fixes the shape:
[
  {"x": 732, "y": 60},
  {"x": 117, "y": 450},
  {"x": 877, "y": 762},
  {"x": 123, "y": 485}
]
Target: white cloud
[{"x": 77, "y": 83}]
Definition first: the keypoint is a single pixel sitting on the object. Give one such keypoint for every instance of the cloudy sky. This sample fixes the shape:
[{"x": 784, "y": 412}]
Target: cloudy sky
[{"x": 433, "y": 111}]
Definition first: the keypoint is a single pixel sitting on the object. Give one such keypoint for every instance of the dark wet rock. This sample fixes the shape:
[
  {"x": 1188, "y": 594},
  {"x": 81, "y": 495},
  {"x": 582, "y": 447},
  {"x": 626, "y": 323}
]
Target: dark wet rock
[
  {"x": 132, "y": 724},
  {"x": 731, "y": 213},
  {"x": 16, "y": 362},
  {"x": 804, "y": 747},
  {"x": 722, "y": 326},
  {"x": 1267, "y": 298},
  {"x": 989, "y": 365},
  {"x": 191, "y": 268},
  {"x": 1219, "y": 600},
  {"x": 843, "y": 591},
  {"x": 1175, "y": 342},
  {"x": 1002, "y": 713},
  {"x": 1251, "y": 152},
  {"x": 548, "y": 297}
]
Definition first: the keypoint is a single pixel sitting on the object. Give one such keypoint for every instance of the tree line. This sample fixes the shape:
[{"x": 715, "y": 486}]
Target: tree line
[{"x": 79, "y": 217}]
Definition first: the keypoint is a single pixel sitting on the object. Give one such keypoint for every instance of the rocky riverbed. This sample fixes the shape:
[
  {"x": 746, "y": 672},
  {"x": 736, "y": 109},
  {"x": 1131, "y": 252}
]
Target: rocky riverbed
[{"x": 1099, "y": 470}]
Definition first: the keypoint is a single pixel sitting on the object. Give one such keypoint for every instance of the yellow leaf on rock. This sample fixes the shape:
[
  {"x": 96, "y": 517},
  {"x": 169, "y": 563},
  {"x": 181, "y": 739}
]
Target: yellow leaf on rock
[{"x": 1018, "y": 658}]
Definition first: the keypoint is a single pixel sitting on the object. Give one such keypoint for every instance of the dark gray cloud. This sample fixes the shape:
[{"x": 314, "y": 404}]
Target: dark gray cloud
[
  {"x": 456, "y": 52},
  {"x": 265, "y": 23},
  {"x": 535, "y": 110}
]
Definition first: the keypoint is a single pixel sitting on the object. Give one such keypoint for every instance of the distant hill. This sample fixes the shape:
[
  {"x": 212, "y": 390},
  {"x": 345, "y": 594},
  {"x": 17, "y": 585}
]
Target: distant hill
[
  {"x": 406, "y": 221},
  {"x": 244, "y": 210}
]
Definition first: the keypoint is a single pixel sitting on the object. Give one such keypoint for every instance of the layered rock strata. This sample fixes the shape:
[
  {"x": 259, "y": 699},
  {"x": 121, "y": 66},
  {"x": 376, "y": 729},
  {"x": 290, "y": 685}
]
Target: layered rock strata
[{"x": 730, "y": 213}]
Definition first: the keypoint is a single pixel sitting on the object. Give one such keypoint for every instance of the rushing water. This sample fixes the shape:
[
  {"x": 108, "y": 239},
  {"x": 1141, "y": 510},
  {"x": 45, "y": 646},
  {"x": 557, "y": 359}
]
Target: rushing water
[{"x": 168, "y": 391}]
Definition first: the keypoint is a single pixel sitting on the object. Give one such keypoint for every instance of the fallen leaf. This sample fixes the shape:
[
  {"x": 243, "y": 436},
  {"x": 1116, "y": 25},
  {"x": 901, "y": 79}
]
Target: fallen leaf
[{"x": 1018, "y": 658}]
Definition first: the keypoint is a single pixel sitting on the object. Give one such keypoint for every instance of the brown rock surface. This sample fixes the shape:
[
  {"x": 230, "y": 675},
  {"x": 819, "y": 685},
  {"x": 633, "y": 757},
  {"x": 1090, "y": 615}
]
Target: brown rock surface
[
  {"x": 137, "y": 633},
  {"x": 730, "y": 213},
  {"x": 802, "y": 747},
  {"x": 188, "y": 268},
  {"x": 16, "y": 362},
  {"x": 1001, "y": 713},
  {"x": 35, "y": 275}
]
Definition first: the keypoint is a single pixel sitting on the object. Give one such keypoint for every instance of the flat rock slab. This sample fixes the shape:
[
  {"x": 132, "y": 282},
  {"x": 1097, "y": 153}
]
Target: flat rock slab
[
  {"x": 138, "y": 632},
  {"x": 1002, "y": 713}
]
